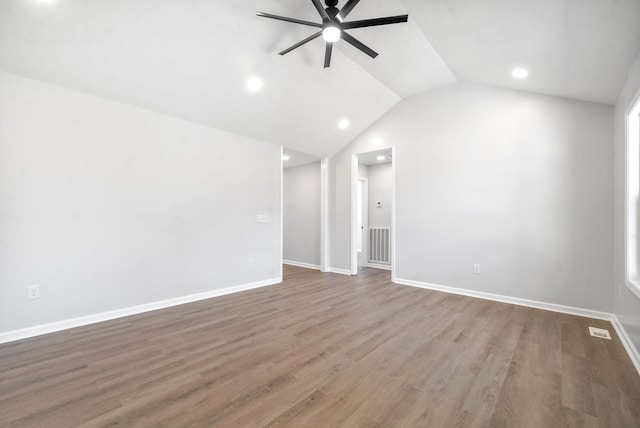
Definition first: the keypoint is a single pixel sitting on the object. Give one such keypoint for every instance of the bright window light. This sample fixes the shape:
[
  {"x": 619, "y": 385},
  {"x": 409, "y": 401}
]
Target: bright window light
[
  {"x": 286, "y": 157},
  {"x": 633, "y": 199}
]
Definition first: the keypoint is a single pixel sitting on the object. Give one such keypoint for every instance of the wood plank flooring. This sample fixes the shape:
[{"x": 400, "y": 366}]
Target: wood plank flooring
[{"x": 325, "y": 350}]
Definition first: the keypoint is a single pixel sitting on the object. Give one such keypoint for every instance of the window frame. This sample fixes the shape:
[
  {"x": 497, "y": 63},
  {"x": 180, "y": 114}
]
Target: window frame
[{"x": 632, "y": 174}]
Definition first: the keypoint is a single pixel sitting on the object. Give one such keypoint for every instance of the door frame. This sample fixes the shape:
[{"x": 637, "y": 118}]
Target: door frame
[
  {"x": 365, "y": 220},
  {"x": 324, "y": 215}
]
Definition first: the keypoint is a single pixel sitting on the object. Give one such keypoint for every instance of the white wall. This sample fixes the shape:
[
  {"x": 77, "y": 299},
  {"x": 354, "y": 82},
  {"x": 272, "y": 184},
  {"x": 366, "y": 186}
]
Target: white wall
[
  {"x": 363, "y": 171},
  {"x": 107, "y": 206},
  {"x": 516, "y": 182},
  {"x": 301, "y": 214},
  {"x": 627, "y": 305},
  {"x": 380, "y": 183}
]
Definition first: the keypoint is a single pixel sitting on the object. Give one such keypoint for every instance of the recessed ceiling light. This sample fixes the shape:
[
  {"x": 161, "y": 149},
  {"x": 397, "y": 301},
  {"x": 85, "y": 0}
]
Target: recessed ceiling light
[
  {"x": 519, "y": 73},
  {"x": 286, "y": 157},
  {"x": 381, "y": 158},
  {"x": 331, "y": 34},
  {"x": 254, "y": 84},
  {"x": 343, "y": 124}
]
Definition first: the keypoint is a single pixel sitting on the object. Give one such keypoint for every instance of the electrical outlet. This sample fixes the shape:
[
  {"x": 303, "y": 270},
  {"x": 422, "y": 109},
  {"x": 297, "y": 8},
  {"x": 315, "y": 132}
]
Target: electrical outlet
[
  {"x": 33, "y": 292},
  {"x": 476, "y": 269}
]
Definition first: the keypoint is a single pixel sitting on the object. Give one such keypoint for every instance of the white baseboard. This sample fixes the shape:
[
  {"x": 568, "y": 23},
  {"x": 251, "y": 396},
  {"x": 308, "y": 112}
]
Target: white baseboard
[
  {"x": 378, "y": 266},
  {"x": 340, "y": 271},
  {"x": 627, "y": 342},
  {"x": 301, "y": 264},
  {"x": 38, "y": 330},
  {"x": 513, "y": 300}
]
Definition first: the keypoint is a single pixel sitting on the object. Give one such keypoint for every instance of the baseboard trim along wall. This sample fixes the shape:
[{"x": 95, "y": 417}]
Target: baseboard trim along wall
[
  {"x": 571, "y": 310},
  {"x": 378, "y": 266},
  {"x": 340, "y": 271},
  {"x": 507, "y": 299},
  {"x": 626, "y": 342},
  {"x": 39, "y": 330},
  {"x": 301, "y": 264}
]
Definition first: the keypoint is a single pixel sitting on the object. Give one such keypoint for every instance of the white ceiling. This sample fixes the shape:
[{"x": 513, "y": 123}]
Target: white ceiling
[
  {"x": 191, "y": 58},
  {"x": 580, "y": 49}
]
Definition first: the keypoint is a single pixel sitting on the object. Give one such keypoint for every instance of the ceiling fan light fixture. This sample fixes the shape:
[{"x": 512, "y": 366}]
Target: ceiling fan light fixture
[{"x": 331, "y": 34}]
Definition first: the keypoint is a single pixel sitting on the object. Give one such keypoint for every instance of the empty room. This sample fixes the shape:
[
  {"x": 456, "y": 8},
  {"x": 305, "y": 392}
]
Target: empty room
[{"x": 320, "y": 213}]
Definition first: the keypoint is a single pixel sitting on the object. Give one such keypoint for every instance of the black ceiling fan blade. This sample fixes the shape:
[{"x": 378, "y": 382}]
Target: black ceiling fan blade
[
  {"x": 347, "y": 8},
  {"x": 327, "y": 55},
  {"x": 284, "y": 18},
  {"x": 320, "y": 9},
  {"x": 375, "y": 21},
  {"x": 358, "y": 44},
  {"x": 297, "y": 45}
]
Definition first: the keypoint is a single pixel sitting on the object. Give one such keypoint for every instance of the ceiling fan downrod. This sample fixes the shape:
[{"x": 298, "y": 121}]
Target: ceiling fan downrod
[{"x": 331, "y": 9}]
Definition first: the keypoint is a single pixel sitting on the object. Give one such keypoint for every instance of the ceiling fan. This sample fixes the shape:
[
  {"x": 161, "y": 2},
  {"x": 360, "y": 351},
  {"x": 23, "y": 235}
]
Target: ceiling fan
[{"x": 333, "y": 27}]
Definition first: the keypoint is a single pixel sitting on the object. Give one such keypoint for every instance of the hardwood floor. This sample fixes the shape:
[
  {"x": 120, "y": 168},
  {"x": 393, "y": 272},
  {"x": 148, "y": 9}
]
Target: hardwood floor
[{"x": 325, "y": 350}]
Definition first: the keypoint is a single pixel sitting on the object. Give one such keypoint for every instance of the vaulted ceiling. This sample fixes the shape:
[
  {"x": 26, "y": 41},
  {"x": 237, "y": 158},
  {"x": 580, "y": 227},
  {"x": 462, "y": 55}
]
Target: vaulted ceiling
[{"x": 191, "y": 58}]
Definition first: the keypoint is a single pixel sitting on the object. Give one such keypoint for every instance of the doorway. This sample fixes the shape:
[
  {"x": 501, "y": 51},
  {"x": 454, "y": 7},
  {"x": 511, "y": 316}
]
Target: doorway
[
  {"x": 373, "y": 211},
  {"x": 304, "y": 199}
]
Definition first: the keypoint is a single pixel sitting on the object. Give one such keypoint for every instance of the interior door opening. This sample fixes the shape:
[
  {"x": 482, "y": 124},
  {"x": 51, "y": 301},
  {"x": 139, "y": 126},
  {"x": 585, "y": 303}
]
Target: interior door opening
[
  {"x": 373, "y": 211},
  {"x": 304, "y": 228}
]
